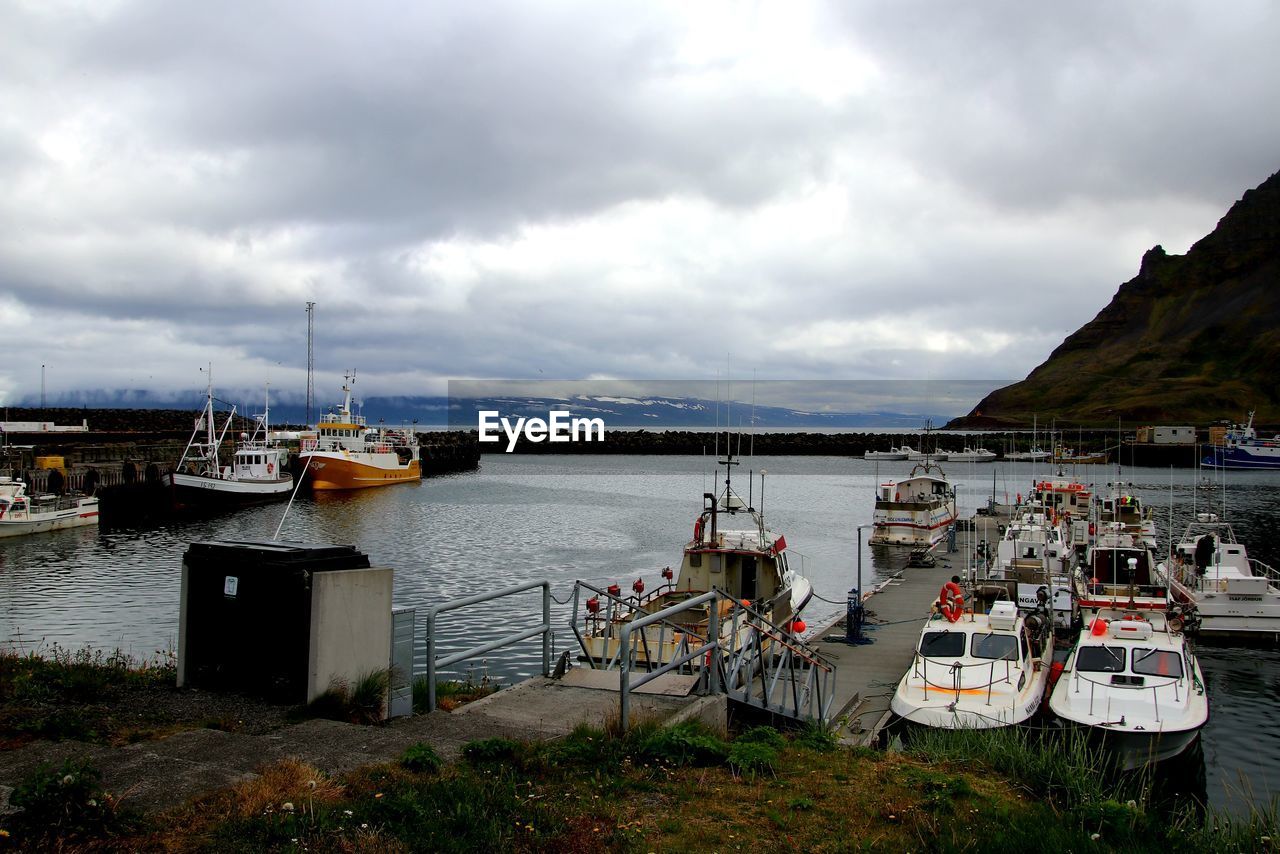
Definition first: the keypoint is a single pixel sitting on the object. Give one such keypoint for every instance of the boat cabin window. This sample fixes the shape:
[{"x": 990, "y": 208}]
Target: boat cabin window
[
  {"x": 1111, "y": 566},
  {"x": 1100, "y": 659},
  {"x": 1157, "y": 662},
  {"x": 942, "y": 644},
  {"x": 994, "y": 646}
]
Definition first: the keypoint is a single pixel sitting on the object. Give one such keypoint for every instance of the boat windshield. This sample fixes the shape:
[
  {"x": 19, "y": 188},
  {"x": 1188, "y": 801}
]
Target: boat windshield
[
  {"x": 1101, "y": 659},
  {"x": 942, "y": 644},
  {"x": 995, "y": 646},
  {"x": 1157, "y": 662}
]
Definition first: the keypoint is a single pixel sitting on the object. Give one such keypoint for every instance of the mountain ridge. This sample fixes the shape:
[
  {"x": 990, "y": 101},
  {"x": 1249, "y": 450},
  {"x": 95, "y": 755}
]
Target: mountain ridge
[{"x": 1191, "y": 338}]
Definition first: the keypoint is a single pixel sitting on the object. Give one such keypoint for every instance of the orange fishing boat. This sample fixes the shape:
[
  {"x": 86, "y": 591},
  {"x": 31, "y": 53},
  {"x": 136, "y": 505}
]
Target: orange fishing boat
[{"x": 346, "y": 453}]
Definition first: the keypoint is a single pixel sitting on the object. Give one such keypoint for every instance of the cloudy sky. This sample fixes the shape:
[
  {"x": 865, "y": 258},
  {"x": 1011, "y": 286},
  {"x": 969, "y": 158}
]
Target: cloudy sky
[{"x": 600, "y": 189}]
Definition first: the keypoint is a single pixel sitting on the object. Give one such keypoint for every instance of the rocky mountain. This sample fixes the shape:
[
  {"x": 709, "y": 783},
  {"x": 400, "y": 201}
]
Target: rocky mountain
[{"x": 1192, "y": 338}]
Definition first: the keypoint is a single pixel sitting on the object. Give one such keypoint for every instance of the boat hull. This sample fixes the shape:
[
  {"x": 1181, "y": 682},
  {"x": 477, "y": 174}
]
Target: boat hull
[
  {"x": 77, "y": 517},
  {"x": 1133, "y": 750},
  {"x": 912, "y": 523},
  {"x": 334, "y": 471},
  {"x": 194, "y": 490},
  {"x": 1239, "y": 458},
  {"x": 942, "y": 709}
]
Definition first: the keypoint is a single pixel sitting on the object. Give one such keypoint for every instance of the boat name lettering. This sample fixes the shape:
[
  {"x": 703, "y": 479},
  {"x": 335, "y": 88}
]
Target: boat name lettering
[{"x": 558, "y": 426}]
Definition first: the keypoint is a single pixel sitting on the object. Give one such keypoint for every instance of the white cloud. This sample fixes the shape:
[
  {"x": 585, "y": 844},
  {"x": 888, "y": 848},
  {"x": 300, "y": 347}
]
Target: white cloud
[{"x": 576, "y": 190}]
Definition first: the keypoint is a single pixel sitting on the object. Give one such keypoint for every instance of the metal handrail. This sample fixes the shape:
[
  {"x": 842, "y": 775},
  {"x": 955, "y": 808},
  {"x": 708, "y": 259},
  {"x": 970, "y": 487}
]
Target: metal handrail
[
  {"x": 710, "y": 646},
  {"x": 544, "y": 629}
]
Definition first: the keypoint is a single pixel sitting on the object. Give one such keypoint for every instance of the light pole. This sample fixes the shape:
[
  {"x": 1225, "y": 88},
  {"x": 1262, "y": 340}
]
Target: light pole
[{"x": 855, "y": 614}]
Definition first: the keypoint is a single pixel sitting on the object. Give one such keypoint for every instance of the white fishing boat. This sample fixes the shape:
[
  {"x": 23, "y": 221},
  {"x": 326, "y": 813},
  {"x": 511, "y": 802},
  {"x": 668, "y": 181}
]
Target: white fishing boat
[
  {"x": 1122, "y": 510},
  {"x": 346, "y": 453},
  {"x": 747, "y": 562},
  {"x": 1034, "y": 455},
  {"x": 1211, "y": 572},
  {"x": 1133, "y": 682},
  {"x": 1067, "y": 505},
  {"x": 1131, "y": 677},
  {"x": 914, "y": 511},
  {"x": 891, "y": 454},
  {"x": 971, "y": 455},
  {"x": 256, "y": 472},
  {"x": 922, "y": 456},
  {"x": 975, "y": 671},
  {"x": 1033, "y": 564},
  {"x": 32, "y": 514}
]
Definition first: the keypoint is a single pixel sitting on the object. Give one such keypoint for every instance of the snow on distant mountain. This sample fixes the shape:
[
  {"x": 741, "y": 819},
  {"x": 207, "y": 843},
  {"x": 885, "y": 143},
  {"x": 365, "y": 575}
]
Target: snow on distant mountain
[{"x": 650, "y": 412}]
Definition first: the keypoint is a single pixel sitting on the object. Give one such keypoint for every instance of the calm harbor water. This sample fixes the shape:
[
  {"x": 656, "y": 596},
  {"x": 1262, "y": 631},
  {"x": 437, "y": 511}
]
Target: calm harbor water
[{"x": 603, "y": 519}]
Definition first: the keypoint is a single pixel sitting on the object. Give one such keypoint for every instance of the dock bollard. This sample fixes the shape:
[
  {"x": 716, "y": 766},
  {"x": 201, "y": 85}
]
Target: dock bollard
[{"x": 854, "y": 616}]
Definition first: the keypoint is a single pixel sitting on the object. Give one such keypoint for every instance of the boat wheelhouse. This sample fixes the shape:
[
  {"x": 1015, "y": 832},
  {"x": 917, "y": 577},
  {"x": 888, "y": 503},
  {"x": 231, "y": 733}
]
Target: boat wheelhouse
[{"x": 1032, "y": 562}]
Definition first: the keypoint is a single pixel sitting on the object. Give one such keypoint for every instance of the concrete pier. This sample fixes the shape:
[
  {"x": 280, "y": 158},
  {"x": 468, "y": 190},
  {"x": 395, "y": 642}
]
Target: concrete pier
[{"x": 866, "y": 674}]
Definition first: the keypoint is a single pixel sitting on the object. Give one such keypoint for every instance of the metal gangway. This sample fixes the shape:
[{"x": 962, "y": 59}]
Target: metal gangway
[{"x": 731, "y": 645}]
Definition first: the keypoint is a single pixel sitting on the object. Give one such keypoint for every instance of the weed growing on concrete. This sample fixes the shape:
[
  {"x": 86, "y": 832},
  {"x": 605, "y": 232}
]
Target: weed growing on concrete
[
  {"x": 450, "y": 693},
  {"x": 363, "y": 703},
  {"x": 64, "y": 804}
]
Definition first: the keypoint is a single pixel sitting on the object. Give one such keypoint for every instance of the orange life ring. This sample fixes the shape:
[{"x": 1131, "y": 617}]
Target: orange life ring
[
  {"x": 697, "y": 529},
  {"x": 1093, "y": 529},
  {"x": 951, "y": 601},
  {"x": 271, "y": 467}
]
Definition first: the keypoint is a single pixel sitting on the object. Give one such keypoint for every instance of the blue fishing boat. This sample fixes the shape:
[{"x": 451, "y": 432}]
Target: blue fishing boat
[{"x": 1242, "y": 448}]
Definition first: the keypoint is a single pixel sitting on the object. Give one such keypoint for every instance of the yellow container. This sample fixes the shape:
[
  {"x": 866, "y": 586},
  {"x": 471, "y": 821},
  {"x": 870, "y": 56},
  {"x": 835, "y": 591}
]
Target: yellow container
[{"x": 58, "y": 463}]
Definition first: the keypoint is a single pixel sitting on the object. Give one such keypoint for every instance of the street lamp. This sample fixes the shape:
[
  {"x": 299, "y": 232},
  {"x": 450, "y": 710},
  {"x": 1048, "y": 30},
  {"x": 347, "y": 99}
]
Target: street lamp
[{"x": 855, "y": 614}]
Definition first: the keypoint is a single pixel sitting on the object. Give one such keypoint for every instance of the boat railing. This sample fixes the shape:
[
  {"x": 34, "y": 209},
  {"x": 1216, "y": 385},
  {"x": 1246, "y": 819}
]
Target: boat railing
[
  {"x": 956, "y": 669},
  {"x": 1263, "y": 570},
  {"x": 607, "y": 613},
  {"x": 708, "y": 651},
  {"x": 1117, "y": 686}
]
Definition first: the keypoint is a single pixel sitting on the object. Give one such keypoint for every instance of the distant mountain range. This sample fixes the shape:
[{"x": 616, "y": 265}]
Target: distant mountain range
[
  {"x": 1191, "y": 339},
  {"x": 651, "y": 412}
]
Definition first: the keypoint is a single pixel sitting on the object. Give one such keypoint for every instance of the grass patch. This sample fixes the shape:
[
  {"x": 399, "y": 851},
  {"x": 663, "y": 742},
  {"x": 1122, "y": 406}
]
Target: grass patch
[
  {"x": 451, "y": 693},
  {"x": 365, "y": 702},
  {"x": 422, "y": 759},
  {"x": 64, "y": 806},
  {"x": 687, "y": 789},
  {"x": 71, "y": 694}
]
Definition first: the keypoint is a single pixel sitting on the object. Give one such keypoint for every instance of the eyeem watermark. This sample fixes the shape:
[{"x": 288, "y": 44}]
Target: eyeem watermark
[{"x": 558, "y": 426}]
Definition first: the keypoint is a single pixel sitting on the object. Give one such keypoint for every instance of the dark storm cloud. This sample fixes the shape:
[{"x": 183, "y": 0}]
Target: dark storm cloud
[{"x": 584, "y": 189}]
